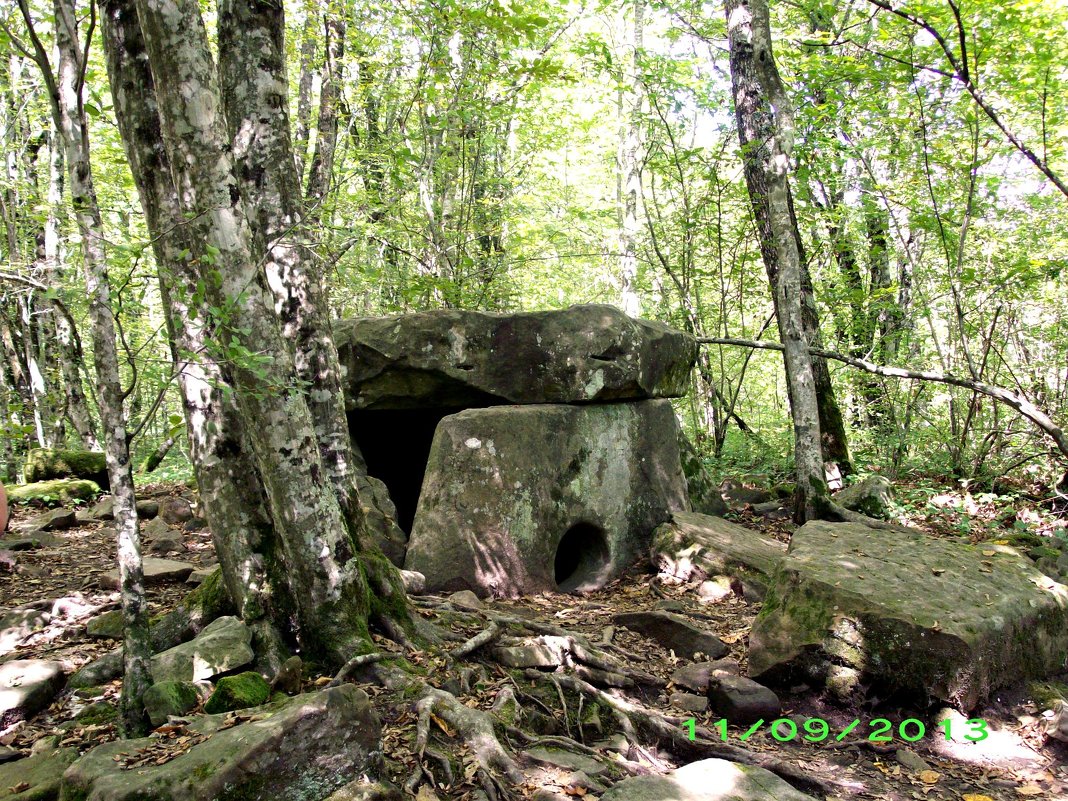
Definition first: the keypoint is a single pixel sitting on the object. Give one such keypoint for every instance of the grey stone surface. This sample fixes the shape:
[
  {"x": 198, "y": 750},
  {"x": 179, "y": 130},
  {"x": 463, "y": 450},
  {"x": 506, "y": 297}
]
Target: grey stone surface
[
  {"x": 741, "y": 700},
  {"x": 157, "y": 571},
  {"x": 303, "y": 749},
  {"x": 166, "y": 698},
  {"x": 504, "y": 486},
  {"x": 689, "y": 702},
  {"x": 454, "y": 359},
  {"x": 175, "y": 510},
  {"x": 693, "y": 547},
  {"x": 673, "y": 632},
  {"x": 707, "y": 780},
  {"x": 54, "y": 520},
  {"x": 26, "y": 687},
  {"x": 40, "y": 773},
  {"x": 697, "y": 675},
  {"x": 108, "y": 626},
  {"x": 567, "y": 760},
  {"x": 911, "y": 613},
  {"x": 18, "y": 624},
  {"x": 224, "y": 645},
  {"x": 873, "y": 496}
]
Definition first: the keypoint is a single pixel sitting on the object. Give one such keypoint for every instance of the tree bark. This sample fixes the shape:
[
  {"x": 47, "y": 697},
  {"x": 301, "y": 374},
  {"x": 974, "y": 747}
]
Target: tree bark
[
  {"x": 765, "y": 130},
  {"x": 631, "y": 175}
]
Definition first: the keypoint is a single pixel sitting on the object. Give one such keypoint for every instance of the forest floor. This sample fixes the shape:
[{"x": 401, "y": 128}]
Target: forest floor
[{"x": 1015, "y": 761}]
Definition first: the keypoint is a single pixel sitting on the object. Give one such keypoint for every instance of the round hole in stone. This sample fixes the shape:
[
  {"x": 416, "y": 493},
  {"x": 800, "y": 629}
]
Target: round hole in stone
[{"x": 582, "y": 558}]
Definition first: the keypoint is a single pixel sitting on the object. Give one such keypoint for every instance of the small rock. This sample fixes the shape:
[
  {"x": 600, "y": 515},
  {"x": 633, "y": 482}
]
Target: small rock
[
  {"x": 673, "y": 632},
  {"x": 874, "y": 497},
  {"x": 166, "y": 698},
  {"x": 155, "y": 528},
  {"x": 242, "y": 691},
  {"x": 689, "y": 702},
  {"x": 199, "y": 576},
  {"x": 707, "y": 780},
  {"x": 108, "y": 626},
  {"x": 56, "y": 520},
  {"x": 713, "y": 590},
  {"x": 414, "y": 581},
  {"x": 289, "y": 678},
  {"x": 103, "y": 509},
  {"x": 31, "y": 543},
  {"x": 175, "y": 510},
  {"x": 157, "y": 571},
  {"x": 9, "y": 754},
  {"x": 911, "y": 760},
  {"x": 164, "y": 546},
  {"x": 566, "y": 760},
  {"x": 195, "y": 524},
  {"x": 741, "y": 700},
  {"x": 26, "y": 687},
  {"x": 147, "y": 510},
  {"x": 1057, "y": 726},
  {"x": 580, "y": 781},
  {"x": 697, "y": 675},
  {"x": 465, "y": 599},
  {"x": 363, "y": 790},
  {"x": 97, "y": 713}
]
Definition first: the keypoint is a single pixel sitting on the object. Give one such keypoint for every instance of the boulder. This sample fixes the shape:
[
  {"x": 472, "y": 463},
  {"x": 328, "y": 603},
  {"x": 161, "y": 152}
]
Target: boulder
[
  {"x": 303, "y": 748},
  {"x": 108, "y": 626},
  {"x": 459, "y": 359},
  {"x": 695, "y": 547},
  {"x": 167, "y": 698},
  {"x": 707, "y": 780},
  {"x": 38, "y": 776},
  {"x": 937, "y": 618},
  {"x": 175, "y": 510},
  {"x": 674, "y": 633},
  {"x": 26, "y": 687},
  {"x": 225, "y": 644},
  {"x": 238, "y": 692},
  {"x": 704, "y": 495},
  {"x": 44, "y": 464},
  {"x": 526, "y": 499},
  {"x": 742, "y": 701},
  {"x": 64, "y": 490},
  {"x": 157, "y": 571},
  {"x": 54, "y": 520},
  {"x": 873, "y": 496}
]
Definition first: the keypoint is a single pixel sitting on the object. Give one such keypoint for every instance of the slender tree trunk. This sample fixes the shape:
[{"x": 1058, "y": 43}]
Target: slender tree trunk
[
  {"x": 322, "y": 164},
  {"x": 631, "y": 176},
  {"x": 765, "y": 130},
  {"x": 308, "y": 41},
  {"x": 65, "y": 88}
]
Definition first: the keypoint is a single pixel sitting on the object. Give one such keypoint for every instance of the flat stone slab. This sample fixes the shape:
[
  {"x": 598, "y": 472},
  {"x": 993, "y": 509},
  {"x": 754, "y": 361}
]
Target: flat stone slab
[
  {"x": 567, "y": 760},
  {"x": 693, "y": 547},
  {"x": 225, "y": 644},
  {"x": 673, "y": 632},
  {"x": 26, "y": 687},
  {"x": 707, "y": 780},
  {"x": 525, "y": 499},
  {"x": 455, "y": 359},
  {"x": 40, "y": 775},
  {"x": 157, "y": 571},
  {"x": 303, "y": 748},
  {"x": 933, "y": 617}
]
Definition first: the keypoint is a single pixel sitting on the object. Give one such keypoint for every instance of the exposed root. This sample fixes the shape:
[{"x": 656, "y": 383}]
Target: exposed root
[
  {"x": 356, "y": 662},
  {"x": 480, "y": 640}
]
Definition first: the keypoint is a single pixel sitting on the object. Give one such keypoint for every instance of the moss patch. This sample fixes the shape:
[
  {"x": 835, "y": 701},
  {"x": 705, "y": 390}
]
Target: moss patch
[
  {"x": 169, "y": 698},
  {"x": 64, "y": 490},
  {"x": 238, "y": 692}
]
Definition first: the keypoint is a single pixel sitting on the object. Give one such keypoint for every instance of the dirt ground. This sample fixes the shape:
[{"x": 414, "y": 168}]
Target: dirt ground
[{"x": 1014, "y": 762}]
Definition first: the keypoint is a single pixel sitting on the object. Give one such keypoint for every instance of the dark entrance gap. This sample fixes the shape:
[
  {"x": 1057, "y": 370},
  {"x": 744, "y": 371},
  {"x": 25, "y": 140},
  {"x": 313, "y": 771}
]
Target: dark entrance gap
[
  {"x": 582, "y": 558},
  {"x": 396, "y": 444}
]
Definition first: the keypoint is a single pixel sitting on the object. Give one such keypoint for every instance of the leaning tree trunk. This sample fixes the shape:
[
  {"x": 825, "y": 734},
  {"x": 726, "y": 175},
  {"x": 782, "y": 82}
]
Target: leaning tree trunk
[
  {"x": 326, "y": 575},
  {"x": 65, "y": 88},
  {"x": 765, "y": 130},
  {"x": 631, "y": 176}
]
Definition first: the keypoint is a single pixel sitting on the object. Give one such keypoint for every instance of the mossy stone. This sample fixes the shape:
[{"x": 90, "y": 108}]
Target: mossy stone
[
  {"x": 64, "y": 490},
  {"x": 108, "y": 626},
  {"x": 170, "y": 698},
  {"x": 238, "y": 692},
  {"x": 97, "y": 714},
  {"x": 43, "y": 464}
]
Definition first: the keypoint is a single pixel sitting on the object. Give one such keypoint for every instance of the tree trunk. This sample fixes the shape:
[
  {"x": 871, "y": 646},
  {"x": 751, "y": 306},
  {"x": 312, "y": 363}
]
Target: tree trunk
[
  {"x": 631, "y": 175},
  {"x": 65, "y": 88},
  {"x": 325, "y": 571},
  {"x": 765, "y": 130},
  {"x": 322, "y": 164}
]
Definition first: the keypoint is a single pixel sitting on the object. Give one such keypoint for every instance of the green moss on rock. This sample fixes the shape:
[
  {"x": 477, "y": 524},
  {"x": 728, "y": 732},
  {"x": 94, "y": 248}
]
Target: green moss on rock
[
  {"x": 238, "y": 692},
  {"x": 64, "y": 490},
  {"x": 97, "y": 714},
  {"x": 167, "y": 698}
]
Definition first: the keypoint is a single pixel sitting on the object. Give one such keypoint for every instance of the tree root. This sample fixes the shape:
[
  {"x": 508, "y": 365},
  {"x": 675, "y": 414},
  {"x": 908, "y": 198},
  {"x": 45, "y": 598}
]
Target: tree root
[
  {"x": 480, "y": 640},
  {"x": 356, "y": 662}
]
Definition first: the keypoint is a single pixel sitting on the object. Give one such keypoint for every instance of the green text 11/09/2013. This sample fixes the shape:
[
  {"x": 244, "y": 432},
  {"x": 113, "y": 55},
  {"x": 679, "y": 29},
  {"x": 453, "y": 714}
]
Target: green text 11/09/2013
[{"x": 816, "y": 730}]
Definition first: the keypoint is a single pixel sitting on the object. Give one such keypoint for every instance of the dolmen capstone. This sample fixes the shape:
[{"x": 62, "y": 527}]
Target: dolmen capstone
[{"x": 524, "y": 452}]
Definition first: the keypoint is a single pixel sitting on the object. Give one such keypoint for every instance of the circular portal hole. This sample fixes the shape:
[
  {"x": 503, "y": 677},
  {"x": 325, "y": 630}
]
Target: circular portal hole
[{"x": 582, "y": 558}]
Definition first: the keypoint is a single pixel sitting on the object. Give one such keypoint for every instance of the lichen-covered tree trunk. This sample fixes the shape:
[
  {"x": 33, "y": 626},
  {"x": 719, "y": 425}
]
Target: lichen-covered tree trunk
[
  {"x": 630, "y": 174},
  {"x": 765, "y": 130},
  {"x": 327, "y": 577},
  {"x": 65, "y": 88}
]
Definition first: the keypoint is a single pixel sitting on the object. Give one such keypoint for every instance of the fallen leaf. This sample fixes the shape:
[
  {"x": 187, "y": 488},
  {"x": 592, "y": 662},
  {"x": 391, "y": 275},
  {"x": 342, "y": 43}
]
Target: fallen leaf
[
  {"x": 989, "y": 553},
  {"x": 930, "y": 776},
  {"x": 976, "y": 797},
  {"x": 1030, "y": 789}
]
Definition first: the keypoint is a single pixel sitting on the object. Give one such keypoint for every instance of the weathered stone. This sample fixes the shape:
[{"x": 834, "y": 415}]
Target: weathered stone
[
  {"x": 64, "y": 490},
  {"x": 175, "y": 510},
  {"x": 363, "y": 790},
  {"x": 26, "y": 687},
  {"x": 911, "y": 613},
  {"x": 200, "y": 575},
  {"x": 9, "y": 754},
  {"x": 41, "y": 774},
  {"x": 742, "y": 701},
  {"x": 167, "y": 544},
  {"x": 527, "y": 499},
  {"x": 43, "y": 464},
  {"x": 539, "y": 652},
  {"x": 458, "y": 359},
  {"x": 414, "y": 582},
  {"x": 674, "y": 633},
  {"x": 694, "y": 547},
  {"x": 108, "y": 626},
  {"x": 739, "y": 495},
  {"x": 54, "y": 520},
  {"x": 225, "y": 644},
  {"x": 910, "y": 760},
  {"x": 157, "y": 571},
  {"x": 697, "y": 675},
  {"x": 874, "y": 497},
  {"x": 568, "y": 760},
  {"x": 167, "y": 698},
  {"x": 714, "y": 590},
  {"x": 689, "y": 702},
  {"x": 18, "y": 624},
  {"x": 465, "y": 599},
  {"x": 238, "y": 692},
  {"x": 290, "y": 676},
  {"x": 704, "y": 495},
  {"x": 156, "y": 527},
  {"x": 30, "y": 543},
  {"x": 303, "y": 748},
  {"x": 104, "y": 508},
  {"x": 1057, "y": 724},
  {"x": 147, "y": 509},
  {"x": 707, "y": 780},
  {"x": 97, "y": 713}
]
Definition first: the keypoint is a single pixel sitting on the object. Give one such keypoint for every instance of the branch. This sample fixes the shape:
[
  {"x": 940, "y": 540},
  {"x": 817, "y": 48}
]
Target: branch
[{"x": 1011, "y": 399}]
